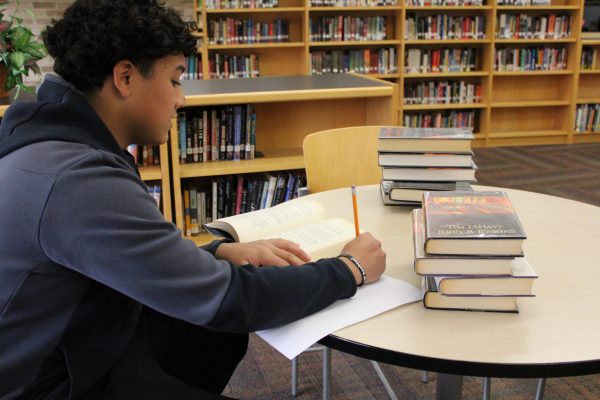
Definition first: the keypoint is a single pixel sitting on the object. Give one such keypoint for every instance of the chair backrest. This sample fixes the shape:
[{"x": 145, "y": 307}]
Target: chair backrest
[{"x": 341, "y": 157}]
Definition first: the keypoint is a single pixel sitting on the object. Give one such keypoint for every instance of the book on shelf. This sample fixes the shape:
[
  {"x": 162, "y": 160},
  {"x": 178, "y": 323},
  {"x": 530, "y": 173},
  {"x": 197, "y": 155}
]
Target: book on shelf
[
  {"x": 413, "y": 191},
  {"x": 425, "y": 140},
  {"x": 433, "y": 299},
  {"x": 429, "y": 174},
  {"x": 472, "y": 223},
  {"x": 519, "y": 283},
  {"x": 302, "y": 221},
  {"x": 425, "y": 160},
  {"x": 451, "y": 265}
]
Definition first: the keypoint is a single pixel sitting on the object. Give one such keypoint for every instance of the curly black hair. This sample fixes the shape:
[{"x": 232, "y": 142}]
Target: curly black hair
[{"x": 94, "y": 35}]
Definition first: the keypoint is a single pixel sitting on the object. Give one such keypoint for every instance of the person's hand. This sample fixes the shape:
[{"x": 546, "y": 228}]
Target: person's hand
[
  {"x": 271, "y": 252},
  {"x": 367, "y": 250}
]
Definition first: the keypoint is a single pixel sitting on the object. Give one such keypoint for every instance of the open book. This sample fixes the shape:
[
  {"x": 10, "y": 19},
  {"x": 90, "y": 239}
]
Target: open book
[{"x": 300, "y": 221}]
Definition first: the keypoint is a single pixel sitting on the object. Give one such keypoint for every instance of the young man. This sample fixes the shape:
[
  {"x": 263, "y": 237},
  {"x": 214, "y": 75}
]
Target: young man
[{"x": 100, "y": 297}]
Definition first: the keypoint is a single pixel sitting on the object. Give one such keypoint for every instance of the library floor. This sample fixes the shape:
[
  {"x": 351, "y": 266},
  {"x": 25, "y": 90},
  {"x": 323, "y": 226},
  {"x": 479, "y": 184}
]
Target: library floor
[{"x": 566, "y": 171}]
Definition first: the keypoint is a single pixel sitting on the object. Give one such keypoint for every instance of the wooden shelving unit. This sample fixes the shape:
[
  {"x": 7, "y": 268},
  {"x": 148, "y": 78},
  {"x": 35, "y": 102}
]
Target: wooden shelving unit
[
  {"x": 160, "y": 173},
  {"x": 516, "y": 108},
  {"x": 587, "y": 88},
  {"x": 287, "y": 109}
]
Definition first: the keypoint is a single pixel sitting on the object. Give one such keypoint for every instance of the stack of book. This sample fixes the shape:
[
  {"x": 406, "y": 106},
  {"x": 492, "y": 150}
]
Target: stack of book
[
  {"x": 416, "y": 160},
  {"x": 469, "y": 252}
]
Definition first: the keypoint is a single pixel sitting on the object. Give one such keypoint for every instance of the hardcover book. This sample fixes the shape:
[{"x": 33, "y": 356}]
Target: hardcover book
[
  {"x": 301, "y": 221},
  {"x": 413, "y": 191},
  {"x": 472, "y": 223},
  {"x": 519, "y": 283},
  {"x": 429, "y": 174},
  {"x": 433, "y": 299},
  {"x": 389, "y": 202},
  {"x": 425, "y": 160},
  {"x": 425, "y": 140},
  {"x": 448, "y": 265}
]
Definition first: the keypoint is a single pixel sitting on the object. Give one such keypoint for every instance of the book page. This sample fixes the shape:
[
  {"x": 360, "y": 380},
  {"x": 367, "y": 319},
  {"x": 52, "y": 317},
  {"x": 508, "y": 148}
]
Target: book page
[
  {"x": 320, "y": 239},
  {"x": 265, "y": 223}
]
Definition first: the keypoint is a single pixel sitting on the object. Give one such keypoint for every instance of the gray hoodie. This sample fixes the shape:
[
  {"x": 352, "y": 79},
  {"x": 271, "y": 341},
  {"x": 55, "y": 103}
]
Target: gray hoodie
[{"x": 83, "y": 247}]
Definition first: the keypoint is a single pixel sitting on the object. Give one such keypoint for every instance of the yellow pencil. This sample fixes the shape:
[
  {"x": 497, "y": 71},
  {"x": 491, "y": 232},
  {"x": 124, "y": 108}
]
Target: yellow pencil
[{"x": 355, "y": 209}]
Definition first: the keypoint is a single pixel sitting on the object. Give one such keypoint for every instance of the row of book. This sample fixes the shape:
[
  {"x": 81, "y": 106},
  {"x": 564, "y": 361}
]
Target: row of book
[
  {"x": 352, "y": 3},
  {"x": 443, "y": 3},
  {"x": 523, "y": 2},
  {"x": 347, "y": 28},
  {"x": 193, "y": 68},
  {"x": 145, "y": 155},
  {"x": 530, "y": 59},
  {"x": 216, "y": 133},
  {"x": 155, "y": 191},
  {"x": 223, "y": 4},
  {"x": 458, "y": 59},
  {"x": 444, "y": 27},
  {"x": 589, "y": 58},
  {"x": 441, "y": 119},
  {"x": 468, "y": 249},
  {"x": 364, "y": 61},
  {"x": 225, "y": 66},
  {"x": 236, "y": 194},
  {"x": 442, "y": 92},
  {"x": 246, "y": 31},
  {"x": 382, "y": 61},
  {"x": 525, "y": 26},
  {"x": 416, "y": 160},
  {"x": 587, "y": 118}
]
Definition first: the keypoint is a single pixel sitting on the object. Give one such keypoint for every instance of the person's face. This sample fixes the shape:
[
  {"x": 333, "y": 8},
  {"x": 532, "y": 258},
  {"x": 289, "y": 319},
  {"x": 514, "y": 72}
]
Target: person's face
[{"x": 155, "y": 100}]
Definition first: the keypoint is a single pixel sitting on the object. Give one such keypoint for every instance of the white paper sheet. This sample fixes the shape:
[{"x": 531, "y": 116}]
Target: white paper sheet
[{"x": 369, "y": 300}]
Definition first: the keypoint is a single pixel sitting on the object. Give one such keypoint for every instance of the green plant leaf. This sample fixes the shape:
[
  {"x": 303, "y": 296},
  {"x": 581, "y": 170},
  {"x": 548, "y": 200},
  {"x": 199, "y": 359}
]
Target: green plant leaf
[
  {"x": 34, "y": 51},
  {"x": 20, "y": 37},
  {"x": 20, "y": 49},
  {"x": 11, "y": 82},
  {"x": 17, "y": 58}
]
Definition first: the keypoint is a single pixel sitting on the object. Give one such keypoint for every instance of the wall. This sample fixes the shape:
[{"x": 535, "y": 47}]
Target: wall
[{"x": 45, "y": 11}]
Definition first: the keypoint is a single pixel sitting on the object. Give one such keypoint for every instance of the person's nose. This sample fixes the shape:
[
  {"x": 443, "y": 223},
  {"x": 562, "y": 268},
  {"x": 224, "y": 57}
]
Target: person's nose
[{"x": 180, "y": 100}]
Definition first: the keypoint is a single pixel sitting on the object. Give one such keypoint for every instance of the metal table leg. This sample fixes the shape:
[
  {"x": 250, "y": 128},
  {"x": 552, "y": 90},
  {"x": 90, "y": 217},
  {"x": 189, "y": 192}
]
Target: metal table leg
[{"x": 449, "y": 387}]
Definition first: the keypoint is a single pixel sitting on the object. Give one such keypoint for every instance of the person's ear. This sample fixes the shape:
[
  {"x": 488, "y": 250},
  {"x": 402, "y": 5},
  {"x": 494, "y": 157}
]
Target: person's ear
[{"x": 122, "y": 73}]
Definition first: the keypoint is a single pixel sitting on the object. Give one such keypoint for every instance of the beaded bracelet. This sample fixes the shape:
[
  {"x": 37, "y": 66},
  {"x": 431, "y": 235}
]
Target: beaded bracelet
[{"x": 357, "y": 264}]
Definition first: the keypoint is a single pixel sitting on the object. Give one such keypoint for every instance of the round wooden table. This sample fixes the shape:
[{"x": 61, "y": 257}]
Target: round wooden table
[{"x": 555, "y": 334}]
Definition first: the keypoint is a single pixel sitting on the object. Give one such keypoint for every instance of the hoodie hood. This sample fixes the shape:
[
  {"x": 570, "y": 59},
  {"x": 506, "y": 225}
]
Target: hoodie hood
[{"x": 61, "y": 113}]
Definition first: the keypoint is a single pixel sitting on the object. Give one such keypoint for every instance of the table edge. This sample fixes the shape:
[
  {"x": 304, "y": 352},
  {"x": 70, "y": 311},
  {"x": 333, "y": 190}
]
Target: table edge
[{"x": 458, "y": 367}]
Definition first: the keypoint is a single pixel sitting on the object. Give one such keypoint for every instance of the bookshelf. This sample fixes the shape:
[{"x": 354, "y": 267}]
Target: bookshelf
[
  {"x": 287, "y": 109},
  {"x": 510, "y": 107},
  {"x": 157, "y": 174},
  {"x": 587, "y": 99}
]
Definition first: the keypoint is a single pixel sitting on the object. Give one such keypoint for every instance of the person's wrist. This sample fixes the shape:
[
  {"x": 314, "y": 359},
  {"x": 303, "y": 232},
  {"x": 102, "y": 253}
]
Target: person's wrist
[
  {"x": 358, "y": 271},
  {"x": 221, "y": 250},
  {"x": 213, "y": 246}
]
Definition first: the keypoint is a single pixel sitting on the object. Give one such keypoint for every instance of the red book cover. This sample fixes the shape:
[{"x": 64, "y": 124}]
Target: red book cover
[{"x": 471, "y": 223}]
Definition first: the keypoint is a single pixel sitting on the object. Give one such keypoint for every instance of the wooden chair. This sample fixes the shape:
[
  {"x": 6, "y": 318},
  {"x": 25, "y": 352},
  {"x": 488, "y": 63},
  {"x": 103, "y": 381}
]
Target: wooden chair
[
  {"x": 341, "y": 157},
  {"x": 333, "y": 159}
]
